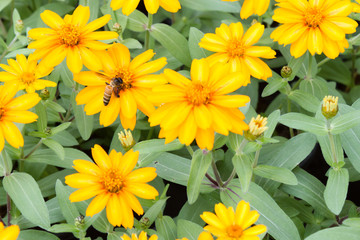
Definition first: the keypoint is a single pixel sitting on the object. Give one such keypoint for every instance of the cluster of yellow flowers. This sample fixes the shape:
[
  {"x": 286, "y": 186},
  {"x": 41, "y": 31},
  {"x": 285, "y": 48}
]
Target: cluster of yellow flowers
[{"x": 187, "y": 109}]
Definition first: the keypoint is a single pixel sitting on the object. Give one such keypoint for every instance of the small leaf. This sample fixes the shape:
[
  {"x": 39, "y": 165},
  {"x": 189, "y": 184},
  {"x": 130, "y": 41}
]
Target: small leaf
[
  {"x": 157, "y": 145},
  {"x": 336, "y": 233},
  {"x": 211, "y": 5},
  {"x": 68, "y": 209},
  {"x": 25, "y": 192},
  {"x": 296, "y": 64},
  {"x": 278, "y": 174},
  {"x": 5, "y": 164},
  {"x": 325, "y": 146},
  {"x": 60, "y": 128},
  {"x": 66, "y": 75},
  {"x": 102, "y": 224},
  {"x": 337, "y": 71},
  {"x": 345, "y": 122},
  {"x": 154, "y": 210},
  {"x": 243, "y": 167},
  {"x": 196, "y": 51},
  {"x": 63, "y": 227},
  {"x": 275, "y": 83},
  {"x": 336, "y": 189},
  {"x": 132, "y": 43},
  {"x": 304, "y": 122},
  {"x": 305, "y": 100},
  {"x": 36, "y": 234},
  {"x": 166, "y": 227},
  {"x": 200, "y": 163},
  {"x": 83, "y": 122},
  {"x": 273, "y": 119},
  {"x": 56, "y": 147},
  {"x": 55, "y": 106},
  {"x": 137, "y": 21},
  {"x": 188, "y": 229},
  {"x": 173, "y": 41},
  {"x": 42, "y": 117}
]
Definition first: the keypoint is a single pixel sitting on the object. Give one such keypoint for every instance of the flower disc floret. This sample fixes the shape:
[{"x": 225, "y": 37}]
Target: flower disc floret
[
  {"x": 317, "y": 26},
  {"x": 197, "y": 108},
  {"x": 26, "y": 74},
  {"x": 137, "y": 82},
  {"x": 151, "y": 6},
  {"x": 15, "y": 110},
  {"x": 70, "y": 37},
  {"x": 234, "y": 47},
  {"x": 113, "y": 183}
]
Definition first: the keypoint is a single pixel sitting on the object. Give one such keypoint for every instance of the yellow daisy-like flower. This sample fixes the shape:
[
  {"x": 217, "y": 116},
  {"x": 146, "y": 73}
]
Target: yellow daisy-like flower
[
  {"x": 194, "y": 109},
  {"x": 234, "y": 47},
  {"x": 202, "y": 236},
  {"x": 251, "y": 7},
  {"x": 114, "y": 183},
  {"x": 142, "y": 236},
  {"x": 136, "y": 85},
  {"x": 70, "y": 37},
  {"x": 317, "y": 26},
  {"x": 14, "y": 110},
  {"x": 9, "y": 233},
  {"x": 356, "y": 6},
  {"x": 26, "y": 73},
  {"x": 227, "y": 224},
  {"x": 151, "y": 6}
]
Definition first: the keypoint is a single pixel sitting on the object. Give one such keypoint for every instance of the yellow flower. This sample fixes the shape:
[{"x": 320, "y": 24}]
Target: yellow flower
[
  {"x": 70, "y": 37},
  {"x": 136, "y": 85},
  {"x": 194, "y": 109},
  {"x": 14, "y": 110},
  {"x": 114, "y": 183},
  {"x": 227, "y": 224},
  {"x": 256, "y": 127},
  {"x": 126, "y": 139},
  {"x": 202, "y": 236},
  {"x": 26, "y": 73},
  {"x": 330, "y": 106},
  {"x": 356, "y": 6},
  {"x": 142, "y": 236},
  {"x": 251, "y": 7},
  {"x": 9, "y": 233},
  {"x": 233, "y": 46},
  {"x": 151, "y": 6},
  {"x": 317, "y": 26}
]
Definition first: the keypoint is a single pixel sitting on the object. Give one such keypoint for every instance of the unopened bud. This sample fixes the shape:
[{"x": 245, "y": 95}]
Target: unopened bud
[
  {"x": 44, "y": 94},
  {"x": 256, "y": 127},
  {"x": 79, "y": 221},
  {"x": 19, "y": 26},
  {"x": 286, "y": 71},
  {"x": 254, "y": 21},
  {"x": 126, "y": 139},
  {"x": 145, "y": 223},
  {"x": 330, "y": 107},
  {"x": 117, "y": 28}
]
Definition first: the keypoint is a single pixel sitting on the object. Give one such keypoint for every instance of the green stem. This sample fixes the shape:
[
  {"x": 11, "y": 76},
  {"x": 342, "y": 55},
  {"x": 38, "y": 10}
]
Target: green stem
[
  {"x": 151, "y": 131},
  {"x": 257, "y": 153},
  {"x": 190, "y": 150},
  {"x": 216, "y": 173},
  {"x": 232, "y": 175},
  {"x": 242, "y": 145},
  {"x": 9, "y": 46},
  {"x": 309, "y": 75},
  {"x": 148, "y": 29},
  {"x": 332, "y": 142},
  {"x": 288, "y": 90},
  {"x": 325, "y": 60},
  {"x": 8, "y": 208},
  {"x": 260, "y": 19},
  {"x": 34, "y": 149}
]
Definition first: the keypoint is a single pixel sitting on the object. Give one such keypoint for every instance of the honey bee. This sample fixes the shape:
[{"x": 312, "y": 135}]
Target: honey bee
[{"x": 113, "y": 87}]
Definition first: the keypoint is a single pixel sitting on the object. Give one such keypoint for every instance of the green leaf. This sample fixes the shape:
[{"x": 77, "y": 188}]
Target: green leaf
[
  {"x": 55, "y": 106},
  {"x": 3, "y": 4},
  {"x": 15, "y": 17},
  {"x": 84, "y": 122},
  {"x": 46, "y": 184},
  {"x": 337, "y": 71},
  {"x": 137, "y": 21},
  {"x": 211, "y": 5},
  {"x": 166, "y": 227},
  {"x": 188, "y": 229},
  {"x": 200, "y": 163},
  {"x": 68, "y": 209},
  {"x": 154, "y": 211},
  {"x": 102, "y": 224},
  {"x": 278, "y": 174},
  {"x": 296, "y": 64},
  {"x": 279, "y": 225},
  {"x": 336, "y": 233},
  {"x": 275, "y": 83},
  {"x": 314, "y": 86},
  {"x": 336, "y": 189},
  {"x": 56, "y": 147},
  {"x": 42, "y": 117},
  {"x": 304, "y": 122},
  {"x": 325, "y": 146},
  {"x": 305, "y": 100},
  {"x": 243, "y": 167},
  {"x": 65, "y": 139},
  {"x": 345, "y": 122},
  {"x": 66, "y": 75},
  {"x": 63, "y": 227},
  {"x": 273, "y": 120},
  {"x": 25, "y": 193},
  {"x": 42, "y": 156},
  {"x": 352, "y": 222},
  {"x": 173, "y": 41},
  {"x": 132, "y": 43},
  {"x": 36, "y": 234},
  {"x": 5, "y": 164},
  {"x": 157, "y": 145},
  {"x": 196, "y": 51},
  {"x": 310, "y": 189},
  {"x": 60, "y": 128}
]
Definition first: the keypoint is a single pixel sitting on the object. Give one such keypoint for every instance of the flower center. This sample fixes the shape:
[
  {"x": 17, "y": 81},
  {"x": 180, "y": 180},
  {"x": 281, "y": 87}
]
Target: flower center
[
  {"x": 112, "y": 181},
  {"x": 69, "y": 35},
  {"x": 28, "y": 78},
  {"x": 126, "y": 78},
  {"x": 234, "y": 231},
  {"x": 198, "y": 94},
  {"x": 313, "y": 17},
  {"x": 235, "y": 48}
]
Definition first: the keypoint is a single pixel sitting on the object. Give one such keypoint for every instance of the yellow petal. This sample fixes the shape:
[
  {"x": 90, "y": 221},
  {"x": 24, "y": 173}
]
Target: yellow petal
[
  {"x": 23, "y": 102},
  {"x": 89, "y": 59},
  {"x": 141, "y": 59},
  {"x": 205, "y": 138},
  {"x": 128, "y": 162},
  {"x": 110, "y": 112},
  {"x": 96, "y": 24},
  {"x": 150, "y": 67},
  {"x": 129, "y": 6},
  {"x": 97, "y": 204},
  {"x": 253, "y": 34},
  {"x": 188, "y": 130},
  {"x": 128, "y": 104},
  {"x": 73, "y": 60},
  {"x": 121, "y": 54},
  {"x": 12, "y": 134},
  {"x": 255, "y": 230},
  {"x": 52, "y": 19},
  {"x": 100, "y": 157},
  {"x": 133, "y": 202},
  {"x": 202, "y": 116},
  {"x": 142, "y": 190},
  {"x": 81, "y": 16},
  {"x": 199, "y": 71},
  {"x": 151, "y": 6},
  {"x": 86, "y": 167},
  {"x": 114, "y": 211},
  {"x": 81, "y": 180},
  {"x": 20, "y": 116}
]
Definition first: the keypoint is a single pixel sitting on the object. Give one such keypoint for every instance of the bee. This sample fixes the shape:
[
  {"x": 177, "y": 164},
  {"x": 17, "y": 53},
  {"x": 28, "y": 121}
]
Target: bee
[{"x": 113, "y": 87}]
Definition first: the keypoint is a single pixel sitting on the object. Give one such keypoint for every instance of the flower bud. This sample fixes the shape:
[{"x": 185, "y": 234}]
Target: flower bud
[
  {"x": 254, "y": 21},
  {"x": 145, "y": 223},
  {"x": 330, "y": 107},
  {"x": 79, "y": 221},
  {"x": 44, "y": 94},
  {"x": 126, "y": 139},
  {"x": 19, "y": 26},
  {"x": 256, "y": 127},
  {"x": 286, "y": 71},
  {"x": 117, "y": 28}
]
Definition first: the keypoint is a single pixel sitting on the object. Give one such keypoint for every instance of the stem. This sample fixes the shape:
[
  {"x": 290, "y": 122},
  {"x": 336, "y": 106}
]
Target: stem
[
  {"x": 9, "y": 46},
  {"x": 151, "y": 131},
  {"x": 325, "y": 60},
  {"x": 260, "y": 19},
  {"x": 232, "y": 175},
  {"x": 213, "y": 181},
  {"x": 242, "y": 145},
  {"x": 332, "y": 143},
  {"x": 309, "y": 75},
  {"x": 288, "y": 90},
  {"x": 34, "y": 149},
  {"x": 190, "y": 150},
  {"x": 8, "y": 208},
  {"x": 216, "y": 173},
  {"x": 172, "y": 18},
  {"x": 257, "y": 153},
  {"x": 147, "y": 34}
]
